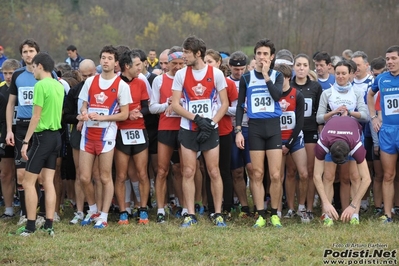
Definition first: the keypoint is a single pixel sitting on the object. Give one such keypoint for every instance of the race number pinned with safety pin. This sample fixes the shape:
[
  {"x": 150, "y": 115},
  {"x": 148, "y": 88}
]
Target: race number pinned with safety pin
[
  {"x": 132, "y": 136},
  {"x": 262, "y": 102},
  {"x": 25, "y": 96},
  {"x": 201, "y": 107},
  {"x": 98, "y": 124},
  {"x": 308, "y": 107},
  {"x": 287, "y": 120}
]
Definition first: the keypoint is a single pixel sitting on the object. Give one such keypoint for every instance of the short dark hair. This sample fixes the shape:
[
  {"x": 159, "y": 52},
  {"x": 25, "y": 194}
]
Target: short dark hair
[
  {"x": 284, "y": 69},
  {"x": 302, "y": 56},
  {"x": 45, "y": 60},
  {"x": 339, "y": 152},
  {"x": 30, "y": 43},
  {"x": 71, "y": 48},
  {"x": 195, "y": 44},
  {"x": 266, "y": 43},
  {"x": 346, "y": 63},
  {"x": 322, "y": 56},
  {"x": 143, "y": 56},
  {"x": 127, "y": 59},
  {"x": 378, "y": 63},
  {"x": 111, "y": 50},
  {"x": 393, "y": 48}
]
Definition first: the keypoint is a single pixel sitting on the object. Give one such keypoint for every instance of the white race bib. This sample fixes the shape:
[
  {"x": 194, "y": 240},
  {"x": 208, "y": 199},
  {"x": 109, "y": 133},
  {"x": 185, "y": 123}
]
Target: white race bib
[
  {"x": 262, "y": 102},
  {"x": 287, "y": 120},
  {"x": 201, "y": 107},
  {"x": 14, "y": 120},
  {"x": 391, "y": 104},
  {"x": 308, "y": 107},
  {"x": 98, "y": 124},
  {"x": 25, "y": 96},
  {"x": 132, "y": 136}
]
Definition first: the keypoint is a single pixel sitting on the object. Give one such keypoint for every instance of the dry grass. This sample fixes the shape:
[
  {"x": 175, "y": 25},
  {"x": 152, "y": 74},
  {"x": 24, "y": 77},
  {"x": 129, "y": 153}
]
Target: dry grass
[{"x": 204, "y": 244}]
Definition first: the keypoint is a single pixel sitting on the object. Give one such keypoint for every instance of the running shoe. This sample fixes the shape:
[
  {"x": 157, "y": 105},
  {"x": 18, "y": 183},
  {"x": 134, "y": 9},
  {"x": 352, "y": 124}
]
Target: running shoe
[
  {"x": 123, "y": 218},
  {"x": 6, "y": 216},
  {"x": 22, "y": 220},
  {"x": 22, "y": 231},
  {"x": 160, "y": 218},
  {"x": 100, "y": 224},
  {"x": 260, "y": 222},
  {"x": 49, "y": 231},
  {"x": 227, "y": 216},
  {"x": 90, "y": 217},
  {"x": 290, "y": 214},
  {"x": 78, "y": 217},
  {"x": 56, "y": 218},
  {"x": 385, "y": 219},
  {"x": 178, "y": 213},
  {"x": 378, "y": 212},
  {"x": 310, "y": 215},
  {"x": 199, "y": 209},
  {"x": 219, "y": 220},
  {"x": 354, "y": 221},
  {"x": 304, "y": 216},
  {"x": 16, "y": 202},
  {"x": 327, "y": 221},
  {"x": 244, "y": 215},
  {"x": 275, "y": 220},
  {"x": 40, "y": 220},
  {"x": 189, "y": 220},
  {"x": 363, "y": 208},
  {"x": 143, "y": 217}
]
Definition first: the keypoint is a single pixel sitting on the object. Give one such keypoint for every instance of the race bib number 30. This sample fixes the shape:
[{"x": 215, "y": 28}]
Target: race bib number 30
[
  {"x": 262, "y": 102},
  {"x": 391, "y": 104},
  {"x": 132, "y": 136},
  {"x": 201, "y": 107},
  {"x": 98, "y": 124},
  {"x": 308, "y": 107}
]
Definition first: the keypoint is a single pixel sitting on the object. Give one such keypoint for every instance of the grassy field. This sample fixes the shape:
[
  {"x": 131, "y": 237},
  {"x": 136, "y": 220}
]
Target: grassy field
[{"x": 204, "y": 244}]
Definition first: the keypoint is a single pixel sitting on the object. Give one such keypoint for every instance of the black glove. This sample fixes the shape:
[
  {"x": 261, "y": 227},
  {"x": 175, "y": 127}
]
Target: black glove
[
  {"x": 205, "y": 124},
  {"x": 203, "y": 136}
]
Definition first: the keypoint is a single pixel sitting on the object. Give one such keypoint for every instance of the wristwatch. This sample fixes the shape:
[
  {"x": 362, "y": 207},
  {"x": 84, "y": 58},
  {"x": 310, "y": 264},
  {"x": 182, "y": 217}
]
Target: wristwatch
[
  {"x": 236, "y": 130},
  {"x": 374, "y": 116},
  {"x": 25, "y": 142}
]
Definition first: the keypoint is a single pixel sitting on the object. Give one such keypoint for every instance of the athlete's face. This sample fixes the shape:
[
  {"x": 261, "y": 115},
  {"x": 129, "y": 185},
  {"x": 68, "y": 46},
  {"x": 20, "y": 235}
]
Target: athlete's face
[
  {"x": 174, "y": 65},
  {"x": 7, "y": 73},
  {"x": 301, "y": 67},
  {"x": 342, "y": 75},
  {"x": 211, "y": 61},
  {"x": 392, "y": 60},
  {"x": 190, "y": 59},
  {"x": 237, "y": 71},
  {"x": 263, "y": 55},
  {"x": 322, "y": 69},
  {"x": 136, "y": 68},
  {"x": 28, "y": 53},
  {"x": 36, "y": 71},
  {"x": 108, "y": 62},
  {"x": 362, "y": 67},
  {"x": 163, "y": 62}
]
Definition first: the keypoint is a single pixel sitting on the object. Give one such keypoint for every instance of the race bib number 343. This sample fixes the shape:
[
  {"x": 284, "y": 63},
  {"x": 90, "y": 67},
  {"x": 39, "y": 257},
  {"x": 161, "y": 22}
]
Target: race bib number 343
[{"x": 262, "y": 102}]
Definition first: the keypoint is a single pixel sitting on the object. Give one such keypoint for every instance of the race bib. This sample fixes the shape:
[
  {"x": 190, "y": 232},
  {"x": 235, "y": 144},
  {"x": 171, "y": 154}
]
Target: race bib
[
  {"x": 98, "y": 124},
  {"x": 262, "y": 102},
  {"x": 14, "y": 119},
  {"x": 391, "y": 104},
  {"x": 308, "y": 107},
  {"x": 25, "y": 96},
  {"x": 287, "y": 120},
  {"x": 132, "y": 136},
  {"x": 201, "y": 107}
]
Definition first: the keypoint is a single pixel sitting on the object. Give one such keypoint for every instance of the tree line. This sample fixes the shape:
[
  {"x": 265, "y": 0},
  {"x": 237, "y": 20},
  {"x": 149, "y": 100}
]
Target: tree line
[{"x": 302, "y": 26}]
